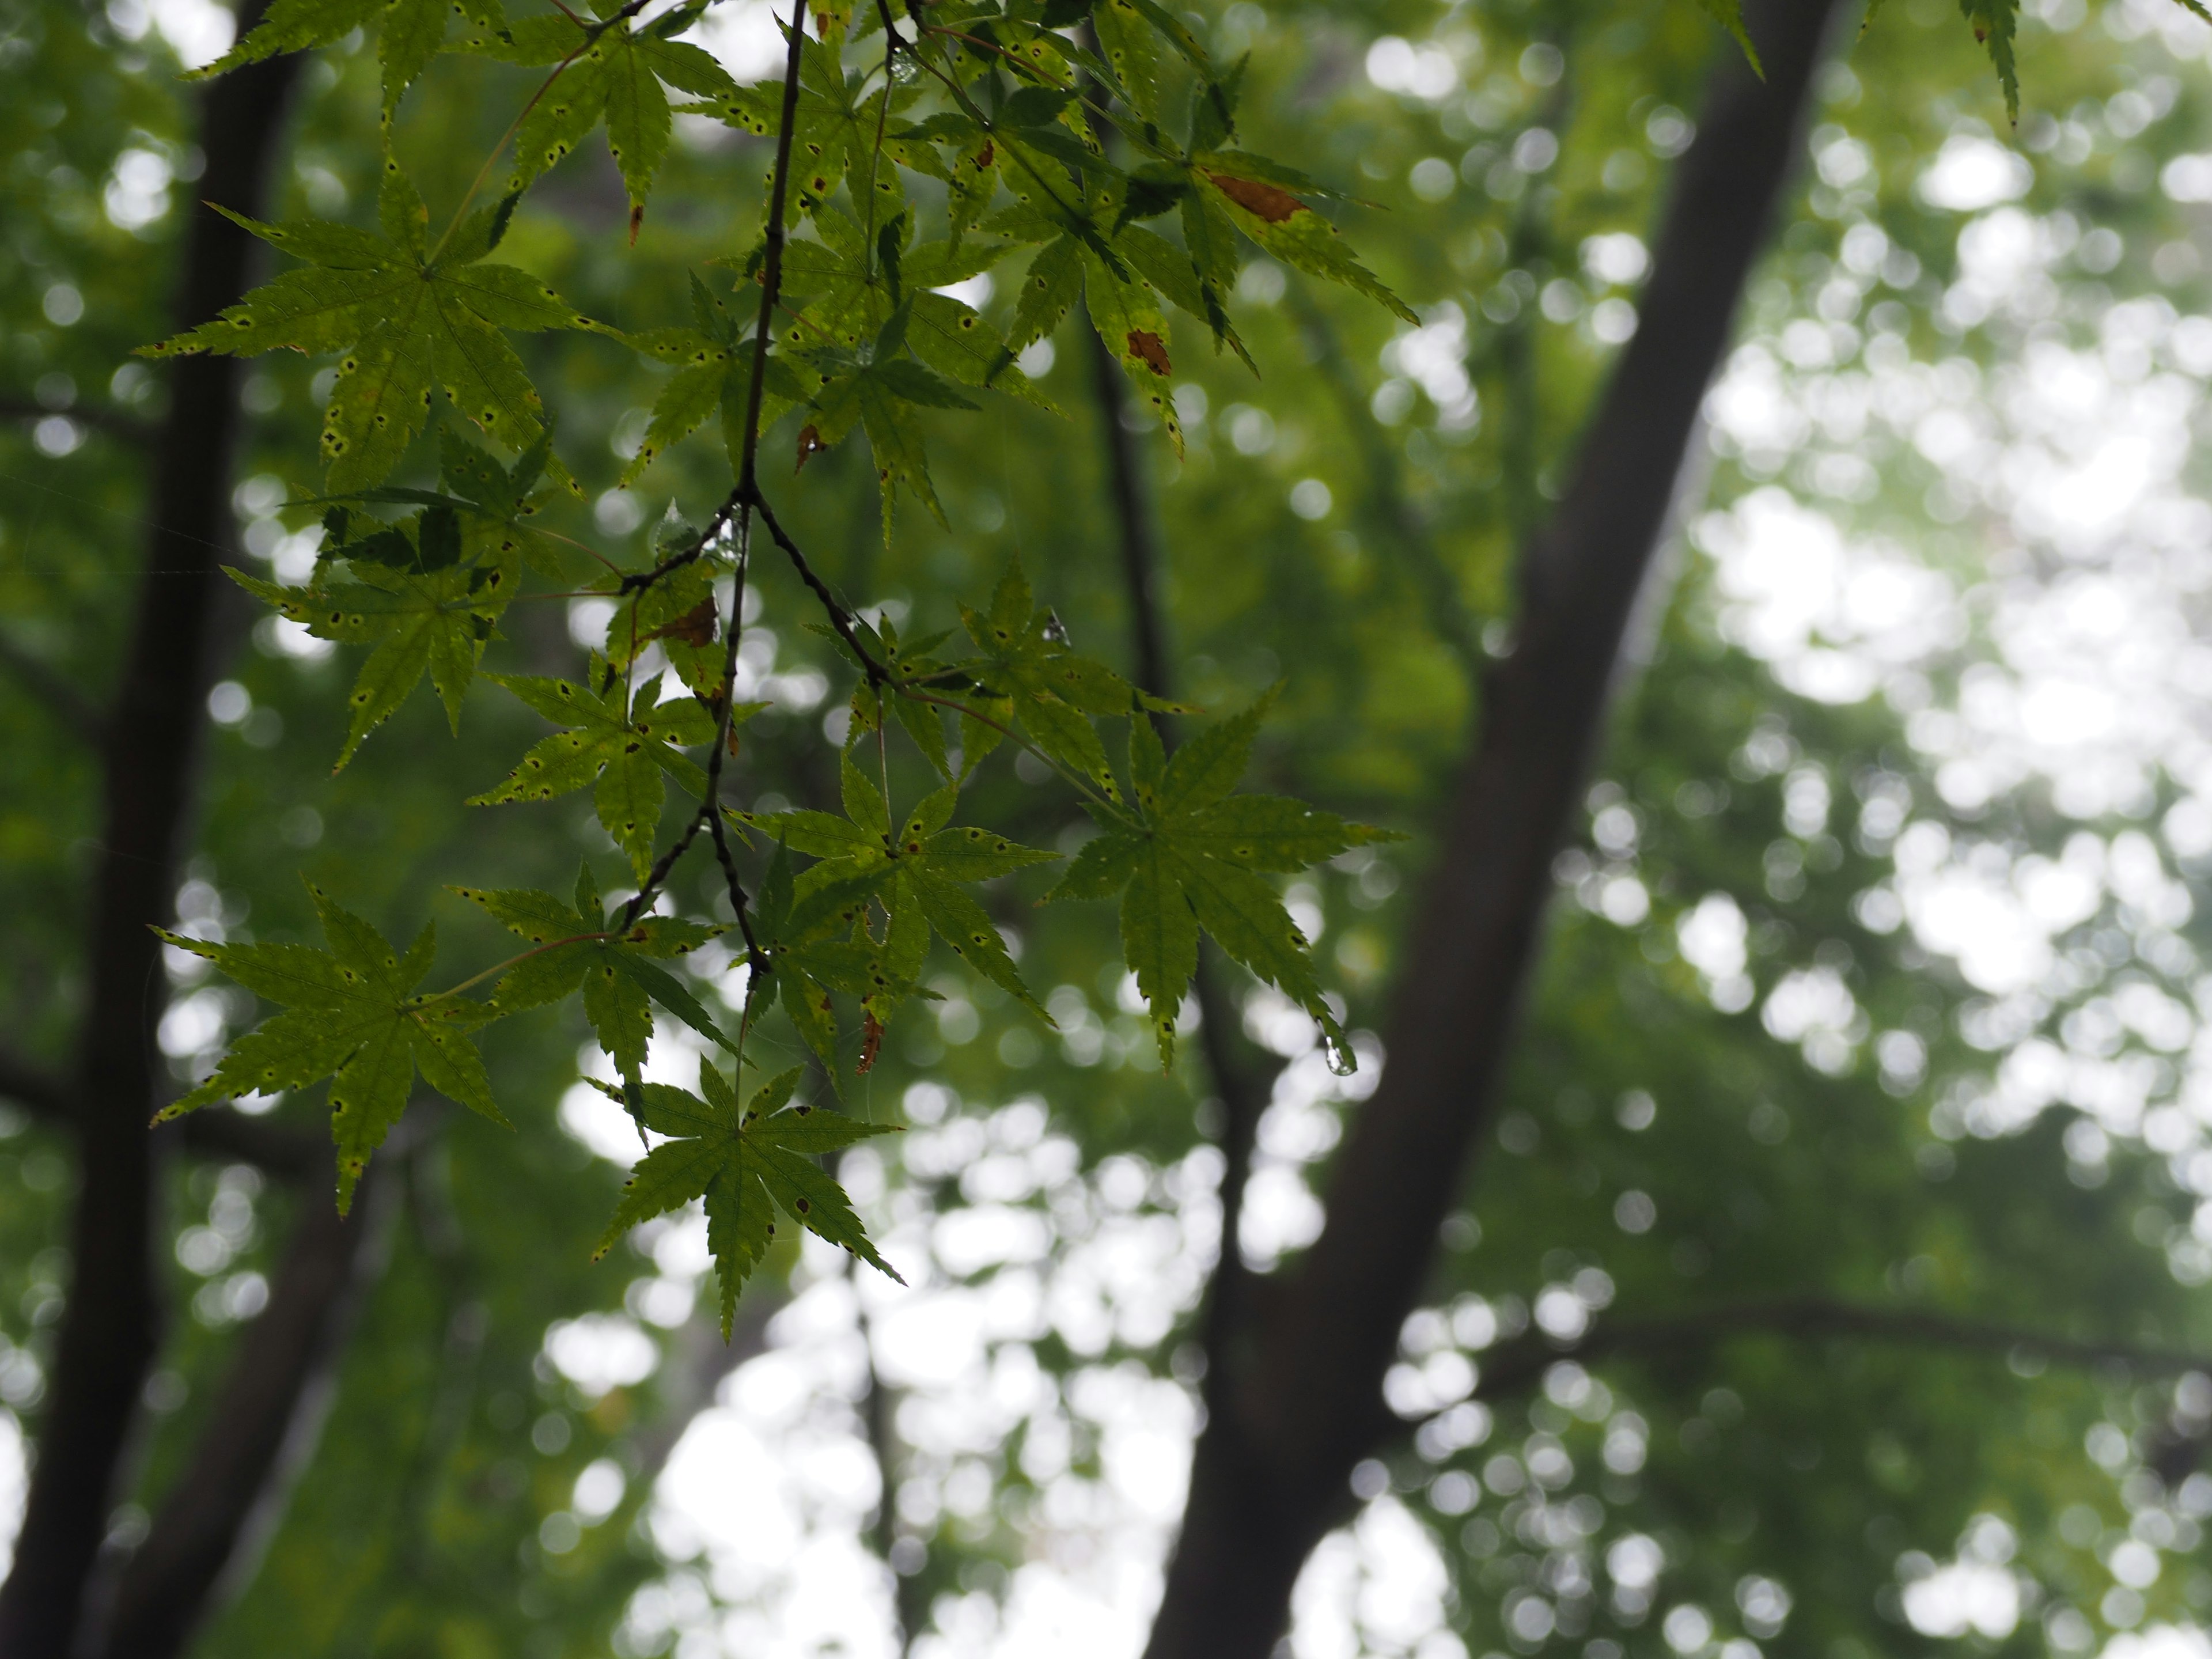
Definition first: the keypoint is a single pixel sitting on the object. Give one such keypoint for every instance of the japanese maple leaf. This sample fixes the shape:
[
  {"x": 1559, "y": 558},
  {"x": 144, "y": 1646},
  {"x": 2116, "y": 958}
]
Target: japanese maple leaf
[
  {"x": 1189, "y": 858},
  {"x": 836, "y": 126},
  {"x": 614, "y": 69},
  {"x": 812, "y": 948},
  {"x": 746, "y": 1166},
  {"x": 1028, "y": 670},
  {"x": 623, "y": 749},
  {"x": 349, "y": 1016},
  {"x": 493, "y": 506},
  {"x": 434, "y": 616},
  {"x": 713, "y": 364},
  {"x": 411, "y": 33},
  {"x": 577, "y": 948},
  {"x": 916, "y": 874},
  {"x": 406, "y": 316}
]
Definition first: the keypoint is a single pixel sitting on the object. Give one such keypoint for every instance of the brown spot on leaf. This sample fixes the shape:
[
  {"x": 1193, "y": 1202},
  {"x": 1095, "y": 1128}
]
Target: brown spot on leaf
[
  {"x": 1150, "y": 349},
  {"x": 1261, "y": 201},
  {"x": 810, "y": 445},
  {"x": 695, "y": 627}
]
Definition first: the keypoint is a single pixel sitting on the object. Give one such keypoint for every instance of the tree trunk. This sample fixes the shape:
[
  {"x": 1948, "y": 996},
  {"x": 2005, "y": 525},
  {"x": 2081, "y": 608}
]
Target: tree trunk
[
  {"x": 1269, "y": 1478},
  {"x": 109, "y": 1332},
  {"x": 261, "y": 1432}
]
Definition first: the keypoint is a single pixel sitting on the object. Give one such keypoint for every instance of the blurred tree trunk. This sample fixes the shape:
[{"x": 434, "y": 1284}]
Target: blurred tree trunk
[
  {"x": 1302, "y": 1401},
  {"x": 149, "y": 763}
]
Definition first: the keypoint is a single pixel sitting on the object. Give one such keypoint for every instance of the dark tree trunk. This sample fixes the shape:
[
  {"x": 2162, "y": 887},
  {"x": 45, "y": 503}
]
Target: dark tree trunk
[
  {"x": 109, "y": 1332},
  {"x": 262, "y": 1430},
  {"x": 1240, "y": 1087},
  {"x": 1305, "y": 1405}
]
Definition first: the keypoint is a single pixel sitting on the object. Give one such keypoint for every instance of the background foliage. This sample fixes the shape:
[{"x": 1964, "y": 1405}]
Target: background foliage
[{"x": 1837, "y": 1091}]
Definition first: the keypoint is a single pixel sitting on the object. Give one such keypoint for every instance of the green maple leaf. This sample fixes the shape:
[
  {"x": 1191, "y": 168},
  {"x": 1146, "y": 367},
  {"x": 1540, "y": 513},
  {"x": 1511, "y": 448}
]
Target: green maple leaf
[
  {"x": 677, "y": 613},
  {"x": 713, "y": 363},
  {"x": 1190, "y": 859},
  {"x": 745, "y": 1165},
  {"x": 349, "y": 1016},
  {"x": 614, "y": 71},
  {"x": 498, "y": 503},
  {"x": 957, "y": 151},
  {"x": 1085, "y": 256},
  {"x": 622, "y": 748},
  {"x": 410, "y": 33},
  {"x": 834, "y": 123},
  {"x": 406, "y": 317},
  {"x": 1728, "y": 13},
  {"x": 618, "y": 973},
  {"x": 916, "y": 872},
  {"x": 1994, "y": 23},
  {"x": 1028, "y": 670},
  {"x": 1258, "y": 198},
  {"x": 494, "y": 504},
  {"x": 424, "y": 612},
  {"x": 858, "y": 287},
  {"x": 881, "y": 396}
]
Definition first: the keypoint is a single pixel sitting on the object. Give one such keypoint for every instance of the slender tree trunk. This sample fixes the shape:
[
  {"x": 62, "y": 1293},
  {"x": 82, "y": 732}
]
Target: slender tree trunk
[
  {"x": 260, "y": 1434},
  {"x": 1270, "y": 1473},
  {"x": 1240, "y": 1088},
  {"x": 109, "y": 1332}
]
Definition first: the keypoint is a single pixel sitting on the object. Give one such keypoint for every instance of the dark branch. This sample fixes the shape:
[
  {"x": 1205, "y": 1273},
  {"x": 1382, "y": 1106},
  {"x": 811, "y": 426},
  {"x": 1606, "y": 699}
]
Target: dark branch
[
  {"x": 260, "y": 1430},
  {"x": 1268, "y": 1478},
  {"x": 52, "y": 688},
  {"x": 43, "y": 1094},
  {"x": 1243, "y": 1093},
  {"x": 276, "y": 1149},
  {"x": 1386, "y": 505},
  {"x": 909, "y": 1605},
  {"x": 216, "y": 1131},
  {"x": 1520, "y": 1364},
  {"x": 149, "y": 767},
  {"x": 1135, "y": 537},
  {"x": 116, "y": 422},
  {"x": 839, "y": 617}
]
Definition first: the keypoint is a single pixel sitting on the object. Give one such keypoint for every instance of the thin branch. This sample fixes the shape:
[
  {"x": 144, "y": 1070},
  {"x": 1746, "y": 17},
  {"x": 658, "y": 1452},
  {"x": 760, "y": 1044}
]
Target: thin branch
[
  {"x": 262, "y": 1427},
  {"x": 739, "y": 503},
  {"x": 1242, "y": 1094},
  {"x": 110, "y": 1325},
  {"x": 45, "y": 1094},
  {"x": 1386, "y": 503},
  {"x": 116, "y": 422},
  {"x": 772, "y": 261},
  {"x": 275, "y": 1149},
  {"x": 839, "y": 617},
  {"x": 1522, "y": 1363}
]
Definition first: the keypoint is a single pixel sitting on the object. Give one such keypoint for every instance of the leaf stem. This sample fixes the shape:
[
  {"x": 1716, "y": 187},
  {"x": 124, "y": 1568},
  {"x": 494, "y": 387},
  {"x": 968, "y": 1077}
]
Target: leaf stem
[
  {"x": 1083, "y": 785},
  {"x": 891, "y": 44},
  {"x": 839, "y": 618},
  {"x": 592, "y": 32},
  {"x": 499, "y": 968}
]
